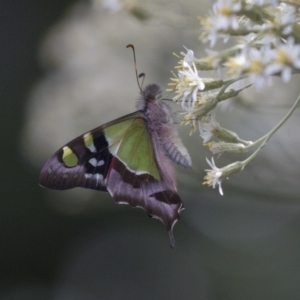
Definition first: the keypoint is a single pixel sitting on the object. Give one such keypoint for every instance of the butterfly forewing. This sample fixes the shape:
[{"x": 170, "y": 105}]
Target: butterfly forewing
[{"x": 83, "y": 162}]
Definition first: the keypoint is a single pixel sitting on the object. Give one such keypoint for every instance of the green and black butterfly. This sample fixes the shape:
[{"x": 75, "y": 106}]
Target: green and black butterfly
[{"x": 129, "y": 157}]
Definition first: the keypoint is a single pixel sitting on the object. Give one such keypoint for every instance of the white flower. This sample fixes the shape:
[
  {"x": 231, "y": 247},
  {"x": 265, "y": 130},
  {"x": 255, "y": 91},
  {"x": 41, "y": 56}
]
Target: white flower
[
  {"x": 225, "y": 14},
  {"x": 214, "y": 27},
  {"x": 252, "y": 62},
  {"x": 188, "y": 57},
  {"x": 223, "y": 17},
  {"x": 285, "y": 57},
  {"x": 284, "y": 18},
  {"x": 214, "y": 176},
  {"x": 188, "y": 85},
  {"x": 207, "y": 127},
  {"x": 258, "y": 60}
]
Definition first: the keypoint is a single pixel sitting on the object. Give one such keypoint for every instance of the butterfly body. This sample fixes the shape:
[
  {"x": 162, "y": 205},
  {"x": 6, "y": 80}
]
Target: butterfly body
[{"x": 130, "y": 157}]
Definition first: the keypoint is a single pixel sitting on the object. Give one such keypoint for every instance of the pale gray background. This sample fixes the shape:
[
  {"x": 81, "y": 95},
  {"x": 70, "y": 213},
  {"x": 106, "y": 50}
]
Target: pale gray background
[{"x": 65, "y": 70}]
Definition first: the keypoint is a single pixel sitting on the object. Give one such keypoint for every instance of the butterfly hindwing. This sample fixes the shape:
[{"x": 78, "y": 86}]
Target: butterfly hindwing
[
  {"x": 157, "y": 198},
  {"x": 135, "y": 177}
]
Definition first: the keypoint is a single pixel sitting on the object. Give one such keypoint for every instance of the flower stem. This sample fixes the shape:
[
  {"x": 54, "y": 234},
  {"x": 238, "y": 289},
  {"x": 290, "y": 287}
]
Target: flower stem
[{"x": 263, "y": 140}]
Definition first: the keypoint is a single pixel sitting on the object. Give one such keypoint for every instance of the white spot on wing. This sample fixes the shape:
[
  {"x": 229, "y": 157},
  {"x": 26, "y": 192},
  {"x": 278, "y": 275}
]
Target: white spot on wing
[
  {"x": 93, "y": 162},
  {"x": 100, "y": 163},
  {"x": 122, "y": 202},
  {"x": 88, "y": 139},
  {"x": 92, "y": 148},
  {"x": 99, "y": 177}
]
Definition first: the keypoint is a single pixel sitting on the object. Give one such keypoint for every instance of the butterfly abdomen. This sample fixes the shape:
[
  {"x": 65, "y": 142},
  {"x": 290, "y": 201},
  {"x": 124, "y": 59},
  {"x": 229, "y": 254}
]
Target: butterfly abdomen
[{"x": 161, "y": 125}]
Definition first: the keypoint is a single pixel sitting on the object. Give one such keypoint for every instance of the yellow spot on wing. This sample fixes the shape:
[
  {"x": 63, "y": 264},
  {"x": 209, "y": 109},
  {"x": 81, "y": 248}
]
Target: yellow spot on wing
[
  {"x": 69, "y": 158},
  {"x": 89, "y": 141}
]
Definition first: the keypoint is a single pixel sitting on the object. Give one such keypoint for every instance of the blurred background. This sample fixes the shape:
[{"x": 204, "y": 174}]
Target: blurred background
[{"x": 65, "y": 70}]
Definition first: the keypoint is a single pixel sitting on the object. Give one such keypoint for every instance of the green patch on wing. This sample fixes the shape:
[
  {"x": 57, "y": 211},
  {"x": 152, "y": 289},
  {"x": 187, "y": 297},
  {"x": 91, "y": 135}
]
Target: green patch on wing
[
  {"x": 69, "y": 158},
  {"x": 130, "y": 142}
]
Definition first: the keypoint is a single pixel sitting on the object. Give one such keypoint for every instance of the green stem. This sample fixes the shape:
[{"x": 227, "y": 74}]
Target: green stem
[{"x": 266, "y": 137}]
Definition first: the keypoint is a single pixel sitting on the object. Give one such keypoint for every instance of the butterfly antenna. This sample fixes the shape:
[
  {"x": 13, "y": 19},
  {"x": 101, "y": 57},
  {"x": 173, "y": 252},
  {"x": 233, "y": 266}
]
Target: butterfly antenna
[
  {"x": 142, "y": 75},
  {"x": 135, "y": 68}
]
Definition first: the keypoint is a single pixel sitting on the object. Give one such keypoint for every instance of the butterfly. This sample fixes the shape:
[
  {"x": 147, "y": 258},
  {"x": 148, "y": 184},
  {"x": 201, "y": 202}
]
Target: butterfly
[{"x": 130, "y": 157}]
